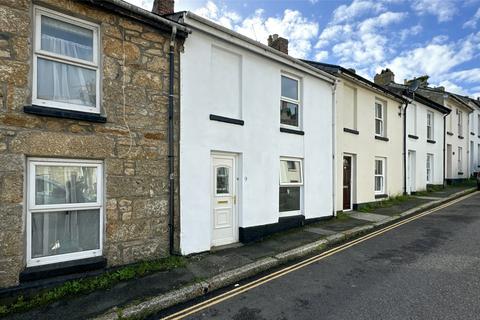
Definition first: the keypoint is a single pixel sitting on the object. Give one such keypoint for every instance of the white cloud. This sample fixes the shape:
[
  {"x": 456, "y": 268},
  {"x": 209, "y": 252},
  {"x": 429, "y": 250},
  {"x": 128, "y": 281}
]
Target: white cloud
[
  {"x": 444, "y": 10},
  {"x": 145, "y": 4},
  {"x": 469, "y": 76},
  {"x": 383, "y": 20},
  {"x": 452, "y": 87},
  {"x": 292, "y": 25},
  {"x": 321, "y": 55},
  {"x": 408, "y": 32},
  {"x": 356, "y": 9},
  {"x": 472, "y": 23}
]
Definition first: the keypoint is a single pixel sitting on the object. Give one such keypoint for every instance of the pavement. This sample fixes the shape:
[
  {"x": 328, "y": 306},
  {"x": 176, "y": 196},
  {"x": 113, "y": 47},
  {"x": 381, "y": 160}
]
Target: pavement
[
  {"x": 425, "y": 269},
  {"x": 208, "y": 272}
]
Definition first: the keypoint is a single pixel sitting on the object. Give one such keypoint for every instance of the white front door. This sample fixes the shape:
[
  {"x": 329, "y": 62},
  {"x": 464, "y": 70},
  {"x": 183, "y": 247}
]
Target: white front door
[
  {"x": 224, "y": 226},
  {"x": 411, "y": 172}
]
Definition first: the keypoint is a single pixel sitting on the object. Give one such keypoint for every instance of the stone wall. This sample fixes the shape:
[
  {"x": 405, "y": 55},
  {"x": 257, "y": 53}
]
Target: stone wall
[{"x": 133, "y": 143}]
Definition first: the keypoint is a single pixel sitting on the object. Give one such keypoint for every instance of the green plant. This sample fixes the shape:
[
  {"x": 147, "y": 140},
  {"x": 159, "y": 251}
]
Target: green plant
[
  {"x": 86, "y": 285},
  {"x": 394, "y": 200}
]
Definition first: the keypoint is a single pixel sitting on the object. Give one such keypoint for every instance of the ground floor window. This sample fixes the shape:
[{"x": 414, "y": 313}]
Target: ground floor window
[
  {"x": 379, "y": 175},
  {"x": 291, "y": 184},
  {"x": 429, "y": 168},
  {"x": 65, "y": 210}
]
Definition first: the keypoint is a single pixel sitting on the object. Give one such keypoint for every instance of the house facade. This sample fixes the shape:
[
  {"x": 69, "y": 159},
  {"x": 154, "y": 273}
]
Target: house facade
[
  {"x": 84, "y": 92},
  {"x": 255, "y": 139},
  {"x": 369, "y": 139},
  {"x": 474, "y": 137},
  {"x": 424, "y": 136},
  {"x": 457, "y": 131}
]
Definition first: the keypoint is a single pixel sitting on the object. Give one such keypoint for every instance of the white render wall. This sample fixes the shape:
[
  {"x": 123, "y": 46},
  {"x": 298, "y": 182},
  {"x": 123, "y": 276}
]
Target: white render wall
[
  {"x": 474, "y": 136},
  {"x": 453, "y": 138},
  {"x": 417, "y": 126},
  {"x": 259, "y": 143},
  {"x": 365, "y": 148}
]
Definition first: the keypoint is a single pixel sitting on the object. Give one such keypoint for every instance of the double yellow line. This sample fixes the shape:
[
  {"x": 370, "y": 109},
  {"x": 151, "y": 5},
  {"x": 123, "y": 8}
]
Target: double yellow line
[{"x": 249, "y": 286}]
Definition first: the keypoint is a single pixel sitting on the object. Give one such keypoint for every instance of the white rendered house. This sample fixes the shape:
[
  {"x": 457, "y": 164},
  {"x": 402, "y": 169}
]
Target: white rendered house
[
  {"x": 255, "y": 138},
  {"x": 474, "y": 137}
]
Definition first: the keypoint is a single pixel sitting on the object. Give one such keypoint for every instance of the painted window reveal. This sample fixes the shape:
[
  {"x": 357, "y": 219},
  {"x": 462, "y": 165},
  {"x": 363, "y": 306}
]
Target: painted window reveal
[
  {"x": 291, "y": 182},
  {"x": 460, "y": 122},
  {"x": 412, "y": 114},
  {"x": 430, "y": 122},
  {"x": 460, "y": 159},
  {"x": 223, "y": 174},
  {"x": 65, "y": 68},
  {"x": 379, "y": 119},
  {"x": 290, "y": 102},
  {"x": 350, "y": 108},
  {"x": 65, "y": 219},
  {"x": 429, "y": 168},
  {"x": 379, "y": 176}
]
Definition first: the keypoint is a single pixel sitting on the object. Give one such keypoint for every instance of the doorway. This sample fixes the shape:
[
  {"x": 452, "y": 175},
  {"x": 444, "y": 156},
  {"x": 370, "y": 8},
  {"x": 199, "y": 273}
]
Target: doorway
[
  {"x": 224, "y": 199},
  {"x": 449, "y": 161},
  {"x": 411, "y": 183},
  {"x": 347, "y": 182}
]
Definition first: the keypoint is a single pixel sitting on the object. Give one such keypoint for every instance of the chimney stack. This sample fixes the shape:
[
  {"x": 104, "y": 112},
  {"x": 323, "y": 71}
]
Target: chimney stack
[
  {"x": 385, "y": 77},
  {"x": 163, "y": 7},
  {"x": 278, "y": 43}
]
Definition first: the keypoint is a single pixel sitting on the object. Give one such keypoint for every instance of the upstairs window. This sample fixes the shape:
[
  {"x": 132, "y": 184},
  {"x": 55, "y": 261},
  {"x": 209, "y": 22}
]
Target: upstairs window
[
  {"x": 430, "y": 125},
  {"x": 379, "y": 119},
  {"x": 290, "y": 102},
  {"x": 460, "y": 122},
  {"x": 65, "y": 65},
  {"x": 291, "y": 183}
]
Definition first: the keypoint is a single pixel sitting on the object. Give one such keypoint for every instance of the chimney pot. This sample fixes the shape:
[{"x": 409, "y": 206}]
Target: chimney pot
[
  {"x": 278, "y": 43},
  {"x": 163, "y": 7}
]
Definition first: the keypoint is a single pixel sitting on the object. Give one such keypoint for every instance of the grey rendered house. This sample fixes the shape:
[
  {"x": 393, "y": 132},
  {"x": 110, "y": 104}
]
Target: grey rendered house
[{"x": 87, "y": 135}]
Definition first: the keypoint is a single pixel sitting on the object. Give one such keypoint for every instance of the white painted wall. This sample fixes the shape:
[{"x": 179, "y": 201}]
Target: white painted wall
[
  {"x": 364, "y": 146},
  {"x": 259, "y": 143},
  {"x": 453, "y": 139},
  {"x": 474, "y": 125},
  {"x": 417, "y": 126}
]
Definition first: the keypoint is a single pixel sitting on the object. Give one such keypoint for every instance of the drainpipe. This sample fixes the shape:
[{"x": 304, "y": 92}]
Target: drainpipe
[
  {"x": 444, "y": 147},
  {"x": 334, "y": 142},
  {"x": 171, "y": 159},
  {"x": 405, "y": 146}
]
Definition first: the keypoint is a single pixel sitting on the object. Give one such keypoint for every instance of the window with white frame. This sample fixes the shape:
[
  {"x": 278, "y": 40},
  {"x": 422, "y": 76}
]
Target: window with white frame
[
  {"x": 290, "y": 102},
  {"x": 412, "y": 114},
  {"x": 64, "y": 210},
  {"x": 460, "y": 159},
  {"x": 379, "y": 175},
  {"x": 429, "y": 168},
  {"x": 430, "y": 119},
  {"x": 291, "y": 183},
  {"x": 460, "y": 122},
  {"x": 65, "y": 62},
  {"x": 379, "y": 118}
]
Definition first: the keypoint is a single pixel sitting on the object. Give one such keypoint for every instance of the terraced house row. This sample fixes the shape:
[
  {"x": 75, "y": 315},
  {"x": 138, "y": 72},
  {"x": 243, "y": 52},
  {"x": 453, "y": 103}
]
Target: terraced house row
[{"x": 128, "y": 135}]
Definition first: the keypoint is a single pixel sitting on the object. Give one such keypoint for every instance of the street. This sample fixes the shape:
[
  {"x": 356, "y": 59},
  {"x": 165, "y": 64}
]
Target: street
[{"x": 426, "y": 269}]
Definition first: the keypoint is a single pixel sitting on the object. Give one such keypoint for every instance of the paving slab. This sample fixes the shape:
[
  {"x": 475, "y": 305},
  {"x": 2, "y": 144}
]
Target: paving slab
[
  {"x": 428, "y": 198},
  {"x": 320, "y": 231},
  {"x": 372, "y": 217}
]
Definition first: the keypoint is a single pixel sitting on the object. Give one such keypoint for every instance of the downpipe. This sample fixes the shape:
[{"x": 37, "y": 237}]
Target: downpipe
[
  {"x": 171, "y": 159},
  {"x": 405, "y": 148},
  {"x": 444, "y": 148},
  {"x": 334, "y": 142}
]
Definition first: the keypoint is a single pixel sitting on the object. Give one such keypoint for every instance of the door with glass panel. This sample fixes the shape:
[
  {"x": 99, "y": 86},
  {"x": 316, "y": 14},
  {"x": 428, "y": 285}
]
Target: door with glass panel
[
  {"x": 65, "y": 210},
  {"x": 224, "y": 220}
]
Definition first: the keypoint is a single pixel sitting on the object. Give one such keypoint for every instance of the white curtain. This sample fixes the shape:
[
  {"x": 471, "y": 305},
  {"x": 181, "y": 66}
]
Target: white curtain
[{"x": 63, "y": 82}]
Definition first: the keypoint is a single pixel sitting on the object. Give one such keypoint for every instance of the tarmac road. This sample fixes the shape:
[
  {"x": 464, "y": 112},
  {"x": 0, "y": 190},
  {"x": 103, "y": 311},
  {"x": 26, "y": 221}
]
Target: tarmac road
[{"x": 426, "y": 269}]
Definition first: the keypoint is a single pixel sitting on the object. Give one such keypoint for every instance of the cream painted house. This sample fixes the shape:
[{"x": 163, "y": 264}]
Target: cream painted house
[
  {"x": 457, "y": 132},
  {"x": 369, "y": 140}
]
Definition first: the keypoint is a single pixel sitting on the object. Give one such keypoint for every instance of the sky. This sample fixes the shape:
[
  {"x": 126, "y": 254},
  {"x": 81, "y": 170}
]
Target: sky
[{"x": 439, "y": 38}]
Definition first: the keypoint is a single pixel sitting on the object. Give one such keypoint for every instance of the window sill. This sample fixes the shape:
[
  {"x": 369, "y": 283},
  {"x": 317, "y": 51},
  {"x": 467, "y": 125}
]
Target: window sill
[
  {"x": 413, "y": 136},
  {"x": 460, "y": 173},
  {"x": 239, "y": 122},
  {"x": 381, "y": 196},
  {"x": 62, "y": 268},
  {"x": 450, "y": 133},
  {"x": 351, "y": 131},
  {"x": 65, "y": 114},
  {"x": 381, "y": 138},
  {"x": 431, "y": 141},
  {"x": 461, "y": 137},
  {"x": 292, "y": 131}
]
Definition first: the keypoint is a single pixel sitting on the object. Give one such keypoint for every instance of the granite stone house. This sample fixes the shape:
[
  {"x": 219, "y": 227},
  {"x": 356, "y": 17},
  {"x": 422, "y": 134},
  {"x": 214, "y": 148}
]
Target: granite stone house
[{"x": 88, "y": 135}]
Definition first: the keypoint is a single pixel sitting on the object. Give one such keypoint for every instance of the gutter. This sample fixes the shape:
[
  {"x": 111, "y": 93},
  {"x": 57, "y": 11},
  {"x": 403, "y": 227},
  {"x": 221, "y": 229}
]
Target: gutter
[{"x": 171, "y": 159}]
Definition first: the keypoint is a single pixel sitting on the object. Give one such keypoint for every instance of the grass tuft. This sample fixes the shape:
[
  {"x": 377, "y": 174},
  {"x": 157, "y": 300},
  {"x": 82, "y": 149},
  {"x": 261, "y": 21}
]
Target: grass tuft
[
  {"x": 87, "y": 285},
  {"x": 385, "y": 203}
]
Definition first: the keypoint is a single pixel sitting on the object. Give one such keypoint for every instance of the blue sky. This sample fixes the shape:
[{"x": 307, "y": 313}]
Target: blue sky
[{"x": 440, "y": 38}]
